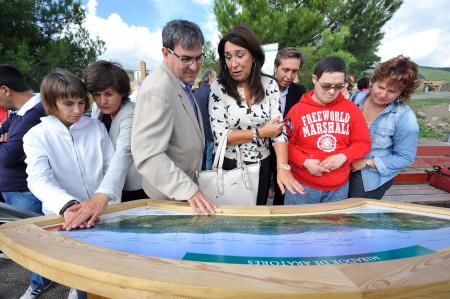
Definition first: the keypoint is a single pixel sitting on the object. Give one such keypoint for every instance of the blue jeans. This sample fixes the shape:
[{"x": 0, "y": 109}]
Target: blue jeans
[
  {"x": 23, "y": 200},
  {"x": 37, "y": 281},
  {"x": 208, "y": 156},
  {"x": 315, "y": 196},
  {"x": 27, "y": 201}
]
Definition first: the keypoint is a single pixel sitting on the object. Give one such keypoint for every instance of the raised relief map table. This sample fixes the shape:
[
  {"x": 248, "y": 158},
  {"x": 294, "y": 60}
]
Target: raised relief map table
[{"x": 150, "y": 249}]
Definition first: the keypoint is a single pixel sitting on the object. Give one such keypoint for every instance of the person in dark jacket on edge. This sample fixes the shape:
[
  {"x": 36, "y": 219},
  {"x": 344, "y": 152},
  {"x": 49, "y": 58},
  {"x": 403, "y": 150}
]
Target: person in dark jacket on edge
[
  {"x": 15, "y": 94},
  {"x": 202, "y": 98}
]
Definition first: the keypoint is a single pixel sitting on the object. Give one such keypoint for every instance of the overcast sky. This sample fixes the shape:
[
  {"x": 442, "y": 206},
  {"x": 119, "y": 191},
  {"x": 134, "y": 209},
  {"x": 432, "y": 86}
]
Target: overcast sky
[
  {"x": 420, "y": 30},
  {"x": 132, "y": 29}
]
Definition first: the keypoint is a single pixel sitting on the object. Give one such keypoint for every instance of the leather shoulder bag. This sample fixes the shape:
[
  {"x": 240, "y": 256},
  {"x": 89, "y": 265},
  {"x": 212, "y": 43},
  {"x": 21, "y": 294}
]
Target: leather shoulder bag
[{"x": 238, "y": 186}]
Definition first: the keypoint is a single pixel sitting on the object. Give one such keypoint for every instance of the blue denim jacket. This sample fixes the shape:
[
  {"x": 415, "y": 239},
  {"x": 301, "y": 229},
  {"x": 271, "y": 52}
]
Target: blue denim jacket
[{"x": 394, "y": 136}]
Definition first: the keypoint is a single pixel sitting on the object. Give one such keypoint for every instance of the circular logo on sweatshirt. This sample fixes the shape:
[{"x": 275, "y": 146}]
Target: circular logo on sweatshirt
[{"x": 326, "y": 143}]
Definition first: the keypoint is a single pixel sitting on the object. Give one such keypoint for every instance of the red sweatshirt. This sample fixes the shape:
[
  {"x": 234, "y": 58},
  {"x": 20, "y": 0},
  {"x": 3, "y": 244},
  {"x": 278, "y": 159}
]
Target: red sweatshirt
[
  {"x": 323, "y": 131},
  {"x": 3, "y": 114}
]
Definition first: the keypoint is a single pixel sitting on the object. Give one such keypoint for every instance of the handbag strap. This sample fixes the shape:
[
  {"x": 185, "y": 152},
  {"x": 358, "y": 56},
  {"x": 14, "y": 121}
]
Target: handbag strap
[
  {"x": 218, "y": 163},
  {"x": 221, "y": 150},
  {"x": 239, "y": 162}
]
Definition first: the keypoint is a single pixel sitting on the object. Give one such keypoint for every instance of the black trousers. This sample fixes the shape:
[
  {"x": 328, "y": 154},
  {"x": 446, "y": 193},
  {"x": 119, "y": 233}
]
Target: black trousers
[
  {"x": 356, "y": 187},
  {"x": 133, "y": 195},
  {"x": 278, "y": 197},
  {"x": 264, "y": 178}
]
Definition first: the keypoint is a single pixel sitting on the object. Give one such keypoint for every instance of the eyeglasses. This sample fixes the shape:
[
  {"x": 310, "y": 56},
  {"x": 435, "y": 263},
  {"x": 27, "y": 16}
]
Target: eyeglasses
[
  {"x": 328, "y": 86},
  {"x": 187, "y": 60}
]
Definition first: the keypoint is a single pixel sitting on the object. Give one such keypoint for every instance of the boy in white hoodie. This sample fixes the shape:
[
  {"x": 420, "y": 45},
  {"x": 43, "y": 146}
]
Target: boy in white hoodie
[{"x": 67, "y": 154}]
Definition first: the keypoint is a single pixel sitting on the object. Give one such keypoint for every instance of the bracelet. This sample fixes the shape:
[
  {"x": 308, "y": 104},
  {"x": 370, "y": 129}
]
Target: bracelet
[
  {"x": 68, "y": 205},
  {"x": 284, "y": 166},
  {"x": 255, "y": 133},
  {"x": 369, "y": 163},
  {"x": 108, "y": 196}
]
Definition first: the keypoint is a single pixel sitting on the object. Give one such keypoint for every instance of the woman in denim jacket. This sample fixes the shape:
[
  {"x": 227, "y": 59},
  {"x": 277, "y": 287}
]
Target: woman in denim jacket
[{"x": 393, "y": 128}]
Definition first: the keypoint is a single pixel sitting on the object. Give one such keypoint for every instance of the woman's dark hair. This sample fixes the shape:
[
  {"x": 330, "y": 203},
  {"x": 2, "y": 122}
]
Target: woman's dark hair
[
  {"x": 242, "y": 36},
  {"x": 102, "y": 74},
  {"x": 330, "y": 64},
  {"x": 61, "y": 84},
  {"x": 399, "y": 72}
]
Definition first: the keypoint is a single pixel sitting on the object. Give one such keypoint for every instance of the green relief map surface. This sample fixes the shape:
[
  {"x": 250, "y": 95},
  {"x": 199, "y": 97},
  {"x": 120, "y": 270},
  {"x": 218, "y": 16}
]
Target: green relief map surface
[{"x": 367, "y": 234}]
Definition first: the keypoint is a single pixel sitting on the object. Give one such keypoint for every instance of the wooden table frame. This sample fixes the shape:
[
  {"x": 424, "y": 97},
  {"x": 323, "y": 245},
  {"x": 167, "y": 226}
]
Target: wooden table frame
[{"x": 117, "y": 274}]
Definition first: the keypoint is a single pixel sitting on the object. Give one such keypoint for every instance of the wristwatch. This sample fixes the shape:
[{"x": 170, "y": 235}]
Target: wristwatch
[
  {"x": 369, "y": 163},
  {"x": 284, "y": 166}
]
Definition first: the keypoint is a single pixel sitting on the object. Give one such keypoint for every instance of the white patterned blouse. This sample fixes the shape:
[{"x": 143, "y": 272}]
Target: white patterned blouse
[{"x": 227, "y": 113}]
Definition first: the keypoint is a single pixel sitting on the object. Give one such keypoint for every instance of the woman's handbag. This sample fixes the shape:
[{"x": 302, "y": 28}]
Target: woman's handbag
[
  {"x": 440, "y": 178},
  {"x": 230, "y": 187}
]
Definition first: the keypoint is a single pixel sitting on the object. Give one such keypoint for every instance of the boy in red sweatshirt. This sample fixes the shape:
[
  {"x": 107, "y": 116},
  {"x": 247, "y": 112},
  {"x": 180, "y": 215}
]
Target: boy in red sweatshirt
[{"x": 327, "y": 133}]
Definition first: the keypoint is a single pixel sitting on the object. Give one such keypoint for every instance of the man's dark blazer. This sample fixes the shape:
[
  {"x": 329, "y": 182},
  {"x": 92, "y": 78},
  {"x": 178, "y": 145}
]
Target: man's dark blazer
[{"x": 295, "y": 92}]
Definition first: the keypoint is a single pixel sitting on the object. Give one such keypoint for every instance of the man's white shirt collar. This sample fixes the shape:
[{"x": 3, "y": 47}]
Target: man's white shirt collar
[
  {"x": 283, "y": 94},
  {"x": 36, "y": 98}
]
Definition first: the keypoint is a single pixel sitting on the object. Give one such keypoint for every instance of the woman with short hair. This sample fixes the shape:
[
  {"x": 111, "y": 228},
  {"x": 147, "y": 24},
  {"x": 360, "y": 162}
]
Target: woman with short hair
[
  {"x": 393, "y": 128},
  {"x": 109, "y": 85}
]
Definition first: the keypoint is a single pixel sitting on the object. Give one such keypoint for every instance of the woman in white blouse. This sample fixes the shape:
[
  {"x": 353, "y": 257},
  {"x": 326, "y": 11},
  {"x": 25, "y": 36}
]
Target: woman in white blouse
[{"x": 246, "y": 101}]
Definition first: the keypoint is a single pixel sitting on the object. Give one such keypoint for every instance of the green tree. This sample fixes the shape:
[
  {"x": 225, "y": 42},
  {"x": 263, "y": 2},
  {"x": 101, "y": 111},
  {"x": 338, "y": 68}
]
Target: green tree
[
  {"x": 350, "y": 29},
  {"x": 330, "y": 45},
  {"x": 210, "y": 59},
  {"x": 365, "y": 20},
  {"x": 38, "y": 35}
]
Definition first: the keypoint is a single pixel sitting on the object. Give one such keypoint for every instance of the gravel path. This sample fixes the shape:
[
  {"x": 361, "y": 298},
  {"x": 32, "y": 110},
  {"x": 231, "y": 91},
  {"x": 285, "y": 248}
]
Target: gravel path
[{"x": 14, "y": 280}]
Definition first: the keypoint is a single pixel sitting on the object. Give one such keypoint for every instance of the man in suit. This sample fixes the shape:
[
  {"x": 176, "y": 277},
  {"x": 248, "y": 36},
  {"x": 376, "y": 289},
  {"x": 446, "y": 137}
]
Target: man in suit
[
  {"x": 287, "y": 63},
  {"x": 167, "y": 137}
]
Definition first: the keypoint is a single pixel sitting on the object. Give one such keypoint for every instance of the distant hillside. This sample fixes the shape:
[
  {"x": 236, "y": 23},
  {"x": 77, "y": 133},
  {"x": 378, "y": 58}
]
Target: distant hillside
[{"x": 435, "y": 73}]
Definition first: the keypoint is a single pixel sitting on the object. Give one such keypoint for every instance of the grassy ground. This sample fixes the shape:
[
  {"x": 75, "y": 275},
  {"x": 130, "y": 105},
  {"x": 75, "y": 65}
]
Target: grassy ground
[
  {"x": 433, "y": 73},
  {"x": 426, "y": 131},
  {"x": 429, "y": 133},
  {"x": 416, "y": 104}
]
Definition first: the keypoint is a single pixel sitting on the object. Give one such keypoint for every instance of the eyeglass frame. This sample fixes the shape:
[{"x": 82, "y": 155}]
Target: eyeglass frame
[
  {"x": 334, "y": 87},
  {"x": 187, "y": 60}
]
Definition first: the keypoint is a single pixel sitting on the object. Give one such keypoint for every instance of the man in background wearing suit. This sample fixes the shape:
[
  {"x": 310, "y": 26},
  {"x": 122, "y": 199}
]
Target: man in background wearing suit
[
  {"x": 287, "y": 63},
  {"x": 167, "y": 137}
]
